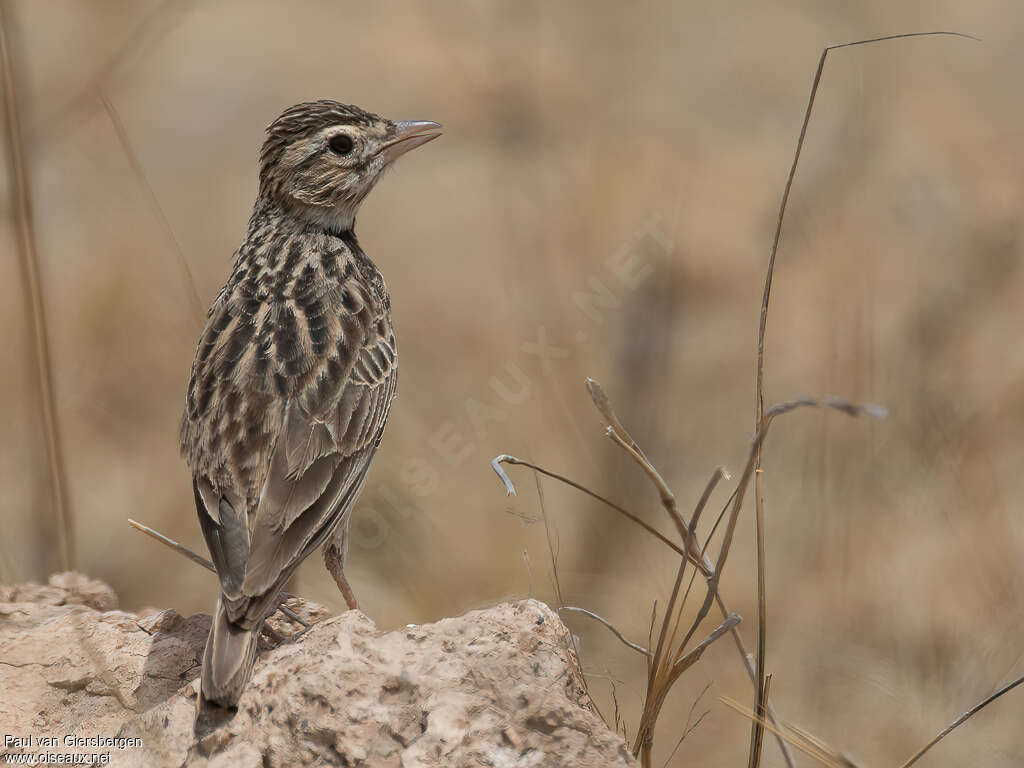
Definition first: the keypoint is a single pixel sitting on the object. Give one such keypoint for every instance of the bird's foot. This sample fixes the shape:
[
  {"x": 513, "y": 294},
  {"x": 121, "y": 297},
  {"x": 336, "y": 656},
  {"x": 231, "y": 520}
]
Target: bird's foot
[
  {"x": 273, "y": 636},
  {"x": 334, "y": 559}
]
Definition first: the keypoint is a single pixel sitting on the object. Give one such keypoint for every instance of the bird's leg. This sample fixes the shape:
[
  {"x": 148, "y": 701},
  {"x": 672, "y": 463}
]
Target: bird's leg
[
  {"x": 334, "y": 559},
  {"x": 272, "y": 636}
]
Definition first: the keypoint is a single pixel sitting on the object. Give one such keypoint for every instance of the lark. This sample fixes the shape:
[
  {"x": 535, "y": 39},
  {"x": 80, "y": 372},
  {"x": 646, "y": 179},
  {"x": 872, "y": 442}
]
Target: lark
[{"x": 293, "y": 376}]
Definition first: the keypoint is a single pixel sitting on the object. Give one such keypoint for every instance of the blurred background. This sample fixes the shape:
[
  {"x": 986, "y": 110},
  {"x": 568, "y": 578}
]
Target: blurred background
[{"x": 601, "y": 204}]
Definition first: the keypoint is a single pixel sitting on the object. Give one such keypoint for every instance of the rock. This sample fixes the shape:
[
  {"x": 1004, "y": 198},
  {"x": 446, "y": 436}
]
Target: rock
[{"x": 496, "y": 687}]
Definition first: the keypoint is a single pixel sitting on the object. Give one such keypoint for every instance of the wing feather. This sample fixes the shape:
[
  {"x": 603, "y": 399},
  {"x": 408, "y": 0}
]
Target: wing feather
[
  {"x": 310, "y": 488},
  {"x": 286, "y": 407}
]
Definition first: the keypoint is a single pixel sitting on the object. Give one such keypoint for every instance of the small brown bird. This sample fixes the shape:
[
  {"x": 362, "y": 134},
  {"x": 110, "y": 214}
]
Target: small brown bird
[{"x": 293, "y": 376}]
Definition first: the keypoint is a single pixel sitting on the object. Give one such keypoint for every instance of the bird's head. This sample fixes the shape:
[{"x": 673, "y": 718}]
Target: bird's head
[{"x": 322, "y": 158}]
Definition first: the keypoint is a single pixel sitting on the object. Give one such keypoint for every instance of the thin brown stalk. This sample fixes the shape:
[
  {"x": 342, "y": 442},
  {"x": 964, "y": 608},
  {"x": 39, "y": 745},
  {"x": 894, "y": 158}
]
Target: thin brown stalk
[
  {"x": 961, "y": 720},
  {"x": 741, "y": 487},
  {"x": 660, "y": 678},
  {"x": 745, "y": 657},
  {"x": 687, "y": 661},
  {"x": 144, "y": 39},
  {"x": 659, "y": 672},
  {"x": 510, "y": 490},
  {"x": 687, "y": 728},
  {"x": 701, "y": 562},
  {"x": 30, "y": 265},
  {"x": 758, "y": 733},
  {"x": 187, "y": 277},
  {"x": 762, "y": 327},
  {"x": 552, "y": 550},
  {"x": 621, "y": 436},
  {"x": 761, "y": 684},
  {"x": 670, "y": 611},
  {"x": 616, "y": 712},
  {"x": 789, "y": 186},
  {"x": 650, "y": 633},
  {"x": 198, "y": 559},
  {"x": 791, "y": 738},
  {"x": 658, "y": 692},
  {"x": 167, "y": 541},
  {"x": 706, "y": 568},
  {"x": 628, "y": 643},
  {"x": 551, "y": 545},
  {"x": 663, "y": 673}
]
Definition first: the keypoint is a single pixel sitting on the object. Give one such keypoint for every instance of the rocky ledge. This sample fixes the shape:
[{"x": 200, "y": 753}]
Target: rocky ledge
[{"x": 495, "y": 687}]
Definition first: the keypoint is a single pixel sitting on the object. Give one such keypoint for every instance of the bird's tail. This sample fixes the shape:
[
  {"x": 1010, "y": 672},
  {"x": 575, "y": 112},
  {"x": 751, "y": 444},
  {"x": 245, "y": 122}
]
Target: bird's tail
[{"x": 228, "y": 659}]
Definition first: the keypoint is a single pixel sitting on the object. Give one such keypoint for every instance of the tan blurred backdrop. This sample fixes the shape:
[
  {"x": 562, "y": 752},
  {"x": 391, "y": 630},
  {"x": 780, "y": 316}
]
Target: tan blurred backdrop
[{"x": 601, "y": 204}]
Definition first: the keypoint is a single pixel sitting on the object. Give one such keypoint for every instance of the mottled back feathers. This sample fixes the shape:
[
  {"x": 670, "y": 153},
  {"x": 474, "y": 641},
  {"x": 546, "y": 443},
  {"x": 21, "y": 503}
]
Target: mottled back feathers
[{"x": 290, "y": 389}]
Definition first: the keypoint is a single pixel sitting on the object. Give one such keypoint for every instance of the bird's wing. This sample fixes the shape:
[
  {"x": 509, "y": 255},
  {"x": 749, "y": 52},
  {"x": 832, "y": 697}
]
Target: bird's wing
[{"x": 317, "y": 466}]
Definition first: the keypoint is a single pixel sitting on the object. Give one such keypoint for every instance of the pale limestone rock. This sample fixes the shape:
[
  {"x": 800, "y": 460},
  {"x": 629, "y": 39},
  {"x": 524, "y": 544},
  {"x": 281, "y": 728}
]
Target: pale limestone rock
[{"x": 496, "y": 687}]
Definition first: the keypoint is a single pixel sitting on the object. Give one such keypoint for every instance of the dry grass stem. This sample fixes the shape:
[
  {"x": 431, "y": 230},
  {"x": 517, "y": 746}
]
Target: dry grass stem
[
  {"x": 181, "y": 549},
  {"x": 188, "y": 279},
  {"x": 667, "y": 665},
  {"x": 628, "y": 643},
  {"x": 30, "y": 265},
  {"x": 761, "y": 682},
  {"x": 763, "y": 323},
  {"x": 167, "y": 541},
  {"x": 688, "y": 728},
  {"x": 697, "y": 651},
  {"x": 962, "y": 719},
  {"x": 553, "y": 551},
  {"x": 603, "y": 404},
  {"x": 552, "y": 548},
  {"x": 755, "y": 736},
  {"x": 619, "y": 435},
  {"x": 144, "y": 39},
  {"x": 702, "y": 561},
  {"x": 792, "y": 737},
  {"x": 510, "y": 490}
]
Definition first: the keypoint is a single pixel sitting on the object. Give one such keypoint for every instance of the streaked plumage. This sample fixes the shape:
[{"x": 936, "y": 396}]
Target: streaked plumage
[{"x": 293, "y": 376}]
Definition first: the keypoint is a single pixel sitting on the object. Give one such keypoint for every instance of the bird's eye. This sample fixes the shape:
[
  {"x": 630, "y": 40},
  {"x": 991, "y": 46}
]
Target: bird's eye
[{"x": 340, "y": 144}]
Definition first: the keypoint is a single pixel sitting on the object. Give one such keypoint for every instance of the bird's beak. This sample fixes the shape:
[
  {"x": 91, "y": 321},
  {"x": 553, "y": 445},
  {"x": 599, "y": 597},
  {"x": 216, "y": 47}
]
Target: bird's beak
[{"x": 410, "y": 134}]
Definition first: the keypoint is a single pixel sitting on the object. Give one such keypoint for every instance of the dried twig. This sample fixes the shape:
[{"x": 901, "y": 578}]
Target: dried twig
[
  {"x": 181, "y": 549},
  {"x": 692, "y": 656},
  {"x": 741, "y": 487},
  {"x": 187, "y": 277},
  {"x": 789, "y": 185},
  {"x": 761, "y": 682},
  {"x": 702, "y": 561},
  {"x": 144, "y": 39},
  {"x": 619, "y": 435},
  {"x": 687, "y": 728},
  {"x": 30, "y": 265},
  {"x": 790, "y": 737},
  {"x": 755, "y": 735},
  {"x": 661, "y": 682},
  {"x": 553, "y": 551},
  {"x": 614, "y": 631},
  {"x": 705, "y": 565},
  {"x": 510, "y": 490},
  {"x": 661, "y": 675},
  {"x": 962, "y": 719},
  {"x": 551, "y": 545}
]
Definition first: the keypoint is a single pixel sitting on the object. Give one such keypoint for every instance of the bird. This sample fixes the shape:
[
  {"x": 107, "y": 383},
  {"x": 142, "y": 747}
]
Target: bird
[{"x": 293, "y": 376}]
